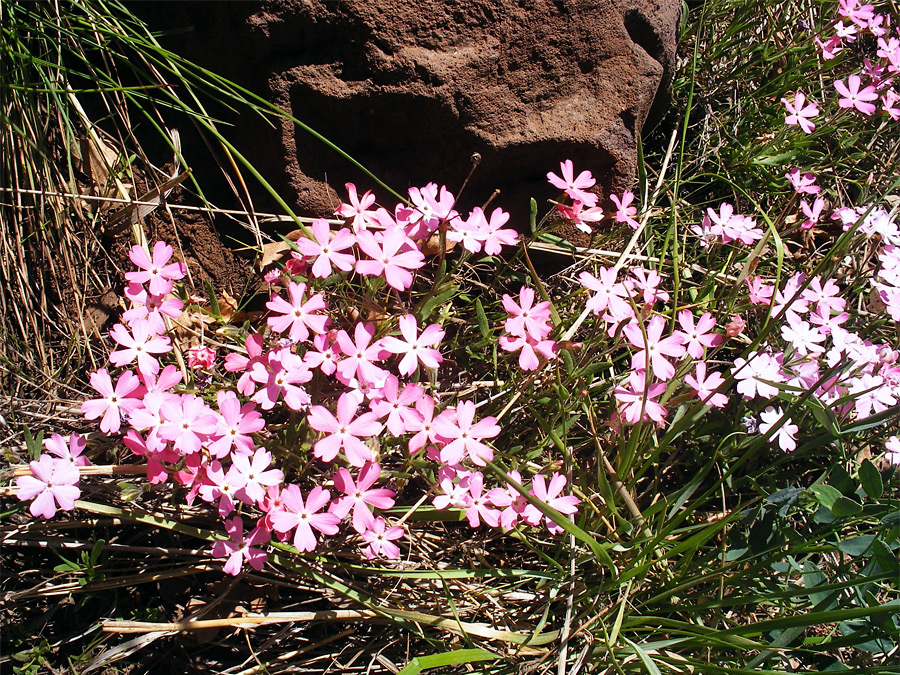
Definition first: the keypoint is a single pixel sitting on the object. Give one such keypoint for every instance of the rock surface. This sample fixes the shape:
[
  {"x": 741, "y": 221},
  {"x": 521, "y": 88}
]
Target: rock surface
[{"x": 412, "y": 88}]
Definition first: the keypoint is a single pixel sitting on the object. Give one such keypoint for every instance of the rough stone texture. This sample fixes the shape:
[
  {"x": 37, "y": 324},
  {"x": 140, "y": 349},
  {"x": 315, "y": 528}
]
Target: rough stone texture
[{"x": 413, "y": 88}]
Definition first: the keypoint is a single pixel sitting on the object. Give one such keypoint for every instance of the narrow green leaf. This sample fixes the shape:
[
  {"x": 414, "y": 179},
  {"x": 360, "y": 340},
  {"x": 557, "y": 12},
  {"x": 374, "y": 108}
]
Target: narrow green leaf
[
  {"x": 456, "y": 657},
  {"x": 482, "y": 319}
]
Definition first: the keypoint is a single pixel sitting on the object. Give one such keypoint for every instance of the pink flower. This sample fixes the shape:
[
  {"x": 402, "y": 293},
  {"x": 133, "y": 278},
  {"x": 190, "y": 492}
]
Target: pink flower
[
  {"x": 188, "y": 423},
  {"x": 234, "y": 425},
  {"x": 360, "y": 355},
  {"x": 392, "y": 258},
  {"x": 357, "y": 210},
  {"x": 344, "y": 432},
  {"x": 155, "y": 270},
  {"x": 608, "y": 293},
  {"x": 297, "y": 315},
  {"x": 115, "y": 402},
  {"x": 140, "y": 345},
  {"x": 479, "y": 507},
  {"x": 380, "y": 540},
  {"x": 326, "y": 249},
  {"x": 424, "y": 430},
  {"x": 305, "y": 517},
  {"x": 395, "y": 405},
  {"x": 706, "y": 386},
  {"x": 755, "y": 373},
  {"x": 655, "y": 348},
  {"x": 812, "y": 213},
  {"x": 638, "y": 399},
  {"x": 830, "y": 48},
  {"x": 71, "y": 451},
  {"x": 359, "y": 497},
  {"x": 323, "y": 355},
  {"x": 415, "y": 350},
  {"x": 495, "y": 237},
  {"x": 696, "y": 337},
  {"x": 239, "y": 549},
  {"x": 760, "y": 293},
  {"x": 255, "y": 475},
  {"x": 800, "y": 111},
  {"x": 510, "y": 500},
  {"x": 281, "y": 373},
  {"x": 574, "y": 187},
  {"x": 54, "y": 482},
  {"x": 236, "y": 362},
  {"x": 464, "y": 437},
  {"x": 526, "y": 318},
  {"x": 528, "y": 357},
  {"x": 852, "y": 97},
  {"x": 624, "y": 212},
  {"x": 201, "y": 356},
  {"x": 805, "y": 184},
  {"x": 892, "y": 448},
  {"x": 786, "y": 433},
  {"x": 549, "y": 494}
]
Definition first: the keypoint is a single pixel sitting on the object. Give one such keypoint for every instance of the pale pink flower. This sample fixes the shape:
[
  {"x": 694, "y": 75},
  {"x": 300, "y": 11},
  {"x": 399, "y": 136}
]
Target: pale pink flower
[
  {"x": 234, "y": 425},
  {"x": 53, "y": 484},
  {"x": 800, "y": 111},
  {"x": 812, "y": 213},
  {"x": 157, "y": 270},
  {"x": 138, "y": 345},
  {"x": 853, "y": 97},
  {"x": 638, "y": 400},
  {"x": 122, "y": 399},
  {"x": 255, "y": 475},
  {"x": 760, "y": 293},
  {"x": 236, "y": 362},
  {"x": 608, "y": 293},
  {"x": 323, "y": 355},
  {"x": 479, "y": 505},
  {"x": 757, "y": 375},
  {"x": 526, "y": 318},
  {"x": 188, "y": 423},
  {"x": 705, "y": 387},
  {"x": 735, "y": 327},
  {"x": 511, "y": 502},
  {"x": 358, "y": 209},
  {"x": 695, "y": 337},
  {"x": 392, "y": 258},
  {"x": 298, "y": 316},
  {"x": 624, "y": 211},
  {"x": 151, "y": 308},
  {"x": 396, "y": 406},
  {"x": 415, "y": 349},
  {"x": 71, "y": 451},
  {"x": 654, "y": 348},
  {"x": 281, "y": 373},
  {"x": 786, "y": 434},
  {"x": 361, "y": 353},
  {"x": 892, "y": 450}
]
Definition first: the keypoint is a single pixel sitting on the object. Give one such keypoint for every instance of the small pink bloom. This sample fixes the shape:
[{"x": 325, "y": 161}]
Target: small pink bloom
[
  {"x": 157, "y": 269},
  {"x": 122, "y": 399},
  {"x": 853, "y": 97},
  {"x": 380, "y": 539},
  {"x": 238, "y": 549},
  {"x": 54, "y": 484},
  {"x": 304, "y": 517},
  {"x": 800, "y": 112},
  {"x": 624, "y": 212},
  {"x": 572, "y": 186}
]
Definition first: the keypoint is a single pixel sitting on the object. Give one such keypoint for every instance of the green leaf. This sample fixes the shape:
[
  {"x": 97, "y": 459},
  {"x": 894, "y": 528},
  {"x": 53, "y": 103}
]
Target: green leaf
[
  {"x": 870, "y": 478},
  {"x": 856, "y": 546},
  {"x": 649, "y": 665},
  {"x": 213, "y": 300},
  {"x": 33, "y": 444},
  {"x": 482, "y": 319},
  {"x": 844, "y": 507},
  {"x": 825, "y": 494},
  {"x": 456, "y": 657},
  {"x": 532, "y": 215}
]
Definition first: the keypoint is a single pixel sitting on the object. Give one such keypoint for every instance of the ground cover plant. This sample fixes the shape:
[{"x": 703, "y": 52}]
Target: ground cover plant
[{"x": 427, "y": 450}]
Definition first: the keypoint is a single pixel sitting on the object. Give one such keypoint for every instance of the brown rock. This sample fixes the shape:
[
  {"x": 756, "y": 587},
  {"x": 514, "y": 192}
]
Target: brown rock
[{"x": 412, "y": 89}]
